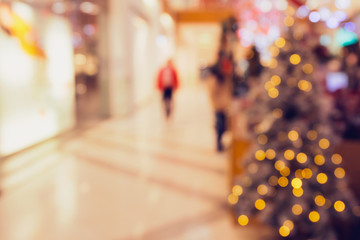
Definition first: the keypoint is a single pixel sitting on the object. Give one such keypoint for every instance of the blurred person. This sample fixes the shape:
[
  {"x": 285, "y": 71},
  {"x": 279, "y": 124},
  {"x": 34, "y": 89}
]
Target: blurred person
[
  {"x": 220, "y": 91},
  {"x": 167, "y": 82}
]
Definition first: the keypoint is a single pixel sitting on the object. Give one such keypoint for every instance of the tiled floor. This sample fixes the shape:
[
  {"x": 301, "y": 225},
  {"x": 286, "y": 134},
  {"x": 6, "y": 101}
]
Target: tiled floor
[{"x": 139, "y": 177}]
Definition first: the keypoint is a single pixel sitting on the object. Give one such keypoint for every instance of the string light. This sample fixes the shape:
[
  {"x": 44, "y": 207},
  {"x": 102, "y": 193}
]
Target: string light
[
  {"x": 298, "y": 192},
  {"x": 296, "y": 183},
  {"x": 307, "y": 173},
  {"x": 289, "y": 224},
  {"x": 301, "y": 158},
  {"x": 285, "y": 171},
  {"x": 319, "y": 160},
  {"x": 270, "y": 154},
  {"x": 275, "y": 80},
  {"x": 260, "y": 204},
  {"x": 305, "y": 86},
  {"x": 280, "y": 42},
  {"x": 289, "y": 21},
  {"x": 297, "y": 209},
  {"x": 237, "y": 190},
  {"x": 320, "y": 200},
  {"x": 322, "y": 178},
  {"x": 295, "y": 59},
  {"x": 339, "y": 206},
  {"x": 284, "y": 231},
  {"x": 336, "y": 159},
  {"x": 308, "y": 68},
  {"x": 260, "y": 155},
  {"x": 232, "y": 199},
  {"x": 283, "y": 182},
  {"x": 274, "y": 51},
  {"x": 277, "y": 113},
  {"x": 339, "y": 173},
  {"x": 293, "y": 135},
  {"x": 243, "y": 220},
  {"x": 279, "y": 165},
  {"x": 324, "y": 143},
  {"x": 289, "y": 154},
  {"x": 262, "y": 189},
  {"x": 314, "y": 216},
  {"x": 268, "y": 85},
  {"x": 273, "y": 93}
]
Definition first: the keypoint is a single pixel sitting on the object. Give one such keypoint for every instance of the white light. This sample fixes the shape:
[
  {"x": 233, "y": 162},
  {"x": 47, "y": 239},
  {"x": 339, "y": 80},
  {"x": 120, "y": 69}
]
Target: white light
[
  {"x": 281, "y": 5},
  {"x": 332, "y": 23},
  {"x": 314, "y": 17},
  {"x": 340, "y": 15},
  {"x": 251, "y": 24},
  {"x": 342, "y": 4},
  {"x": 59, "y": 7},
  {"x": 24, "y": 11},
  {"x": 312, "y": 4},
  {"x": 325, "y": 13},
  {"x": 302, "y": 11},
  {"x": 166, "y": 20},
  {"x": 264, "y": 5},
  {"x": 161, "y": 41},
  {"x": 89, "y": 8}
]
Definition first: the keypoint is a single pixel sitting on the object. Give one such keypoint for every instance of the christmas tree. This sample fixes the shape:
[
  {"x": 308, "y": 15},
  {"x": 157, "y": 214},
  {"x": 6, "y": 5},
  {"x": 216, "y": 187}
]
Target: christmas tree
[{"x": 293, "y": 179}]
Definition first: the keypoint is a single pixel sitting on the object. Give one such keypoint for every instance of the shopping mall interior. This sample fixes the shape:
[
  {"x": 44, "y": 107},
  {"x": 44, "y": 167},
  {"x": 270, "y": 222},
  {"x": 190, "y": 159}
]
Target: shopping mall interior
[{"x": 179, "y": 119}]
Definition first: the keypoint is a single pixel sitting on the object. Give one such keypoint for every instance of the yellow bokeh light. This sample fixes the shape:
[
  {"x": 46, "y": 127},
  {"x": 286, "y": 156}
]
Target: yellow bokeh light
[
  {"x": 298, "y": 192},
  {"x": 275, "y": 80},
  {"x": 339, "y": 206},
  {"x": 289, "y": 154},
  {"x": 289, "y": 224},
  {"x": 260, "y": 155},
  {"x": 237, "y": 190},
  {"x": 283, "y": 181},
  {"x": 290, "y": 11},
  {"x": 301, "y": 158},
  {"x": 232, "y": 199},
  {"x": 305, "y": 86},
  {"x": 262, "y": 189},
  {"x": 268, "y": 85},
  {"x": 274, "y": 51},
  {"x": 324, "y": 143},
  {"x": 260, "y": 204},
  {"x": 270, "y": 154},
  {"x": 307, "y": 173},
  {"x": 319, "y": 160},
  {"x": 280, "y": 42},
  {"x": 279, "y": 165},
  {"x": 289, "y": 21},
  {"x": 320, "y": 200},
  {"x": 308, "y": 68},
  {"x": 243, "y": 220},
  {"x": 312, "y": 135},
  {"x": 273, "y": 92},
  {"x": 336, "y": 159},
  {"x": 277, "y": 113},
  {"x": 296, "y": 183},
  {"x": 273, "y": 181},
  {"x": 285, "y": 171},
  {"x": 295, "y": 59},
  {"x": 293, "y": 135},
  {"x": 262, "y": 139},
  {"x": 322, "y": 178},
  {"x": 339, "y": 173},
  {"x": 314, "y": 216},
  {"x": 284, "y": 231},
  {"x": 297, "y": 209}
]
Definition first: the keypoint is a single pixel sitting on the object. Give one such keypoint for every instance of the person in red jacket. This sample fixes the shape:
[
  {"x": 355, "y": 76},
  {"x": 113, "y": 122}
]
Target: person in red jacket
[{"x": 167, "y": 82}]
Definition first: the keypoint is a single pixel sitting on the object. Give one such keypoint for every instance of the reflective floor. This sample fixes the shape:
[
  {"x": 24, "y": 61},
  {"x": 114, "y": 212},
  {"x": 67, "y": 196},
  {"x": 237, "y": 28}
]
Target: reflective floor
[{"x": 139, "y": 177}]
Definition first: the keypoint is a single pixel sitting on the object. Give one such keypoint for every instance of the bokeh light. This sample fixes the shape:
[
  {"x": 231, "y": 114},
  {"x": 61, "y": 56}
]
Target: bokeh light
[
  {"x": 280, "y": 42},
  {"x": 243, "y": 220},
  {"x": 293, "y": 135},
  {"x": 307, "y": 173},
  {"x": 260, "y": 155},
  {"x": 285, "y": 171},
  {"x": 319, "y": 160},
  {"x": 284, "y": 231},
  {"x": 305, "y": 86},
  {"x": 308, "y": 68},
  {"x": 262, "y": 139},
  {"x": 336, "y": 159},
  {"x": 339, "y": 206},
  {"x": 301, "y": 158},
  {"x": 262, "y": 189},
  {"x": 283, "y": 182},
  {"x": 322, "y": 178},
  {"x": 289, "y": 154},
  {"x": 273, "y": 93},
  {"x": 324, "y": 143},
  {"x": 312, "y": 135},
  {"x": 295, "y": 59},
  {"x": 279, "y": 165},
  {"x": 339, "y": 173},
  {"x": 270, "y": 154},
  {"x": 298, "y": 192},
  {"x": 296, "y": 183},
  {"x": 260, "y": 204},
  {"x": 237, "y": 190},
  {"x": 314, "y": 216},
  {"x": 297, "y": 209},
  {"x": 232, "y": 199},
  {"x": 320, "y": 200},
  {"x": 275, "y": 80}
]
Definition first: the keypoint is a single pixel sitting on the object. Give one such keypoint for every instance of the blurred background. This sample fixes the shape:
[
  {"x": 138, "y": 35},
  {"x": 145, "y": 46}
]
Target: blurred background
[{"x": 251, "y": 131}]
